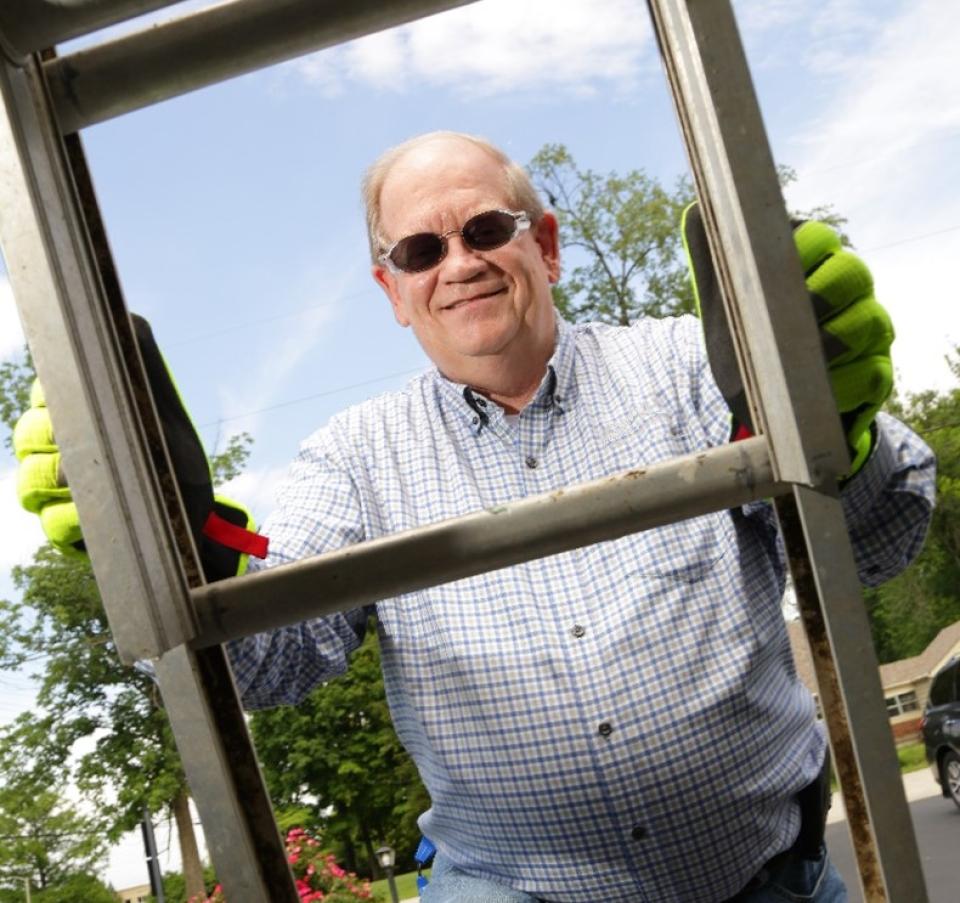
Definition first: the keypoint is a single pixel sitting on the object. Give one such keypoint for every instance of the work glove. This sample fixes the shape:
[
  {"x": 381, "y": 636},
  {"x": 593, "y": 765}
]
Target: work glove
[
  {"x": 223, "y": 529},
  {"x": 855, "y": 330}
]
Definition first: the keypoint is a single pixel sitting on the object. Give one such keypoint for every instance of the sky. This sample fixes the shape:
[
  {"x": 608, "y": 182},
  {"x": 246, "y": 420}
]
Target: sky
[{"x": 237, "y": 229}]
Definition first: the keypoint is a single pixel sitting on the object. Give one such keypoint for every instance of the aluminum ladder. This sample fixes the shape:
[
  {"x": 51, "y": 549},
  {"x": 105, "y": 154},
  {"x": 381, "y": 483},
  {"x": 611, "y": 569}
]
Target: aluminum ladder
[{"x": 75, "y": 319}]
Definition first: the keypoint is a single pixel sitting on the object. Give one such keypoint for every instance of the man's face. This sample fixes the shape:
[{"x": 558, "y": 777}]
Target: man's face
[{"x": 473, "y": 304}]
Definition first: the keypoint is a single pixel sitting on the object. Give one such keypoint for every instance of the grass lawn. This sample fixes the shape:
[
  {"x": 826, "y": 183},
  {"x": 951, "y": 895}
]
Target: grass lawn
[
  {"x": 912, "y": 757},
  {"x": 406, "y": 886}
]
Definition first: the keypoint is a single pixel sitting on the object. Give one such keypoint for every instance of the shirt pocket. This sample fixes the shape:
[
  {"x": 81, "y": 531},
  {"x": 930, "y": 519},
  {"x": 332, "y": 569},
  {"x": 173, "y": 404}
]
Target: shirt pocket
[{"x": 684, "y": 551}]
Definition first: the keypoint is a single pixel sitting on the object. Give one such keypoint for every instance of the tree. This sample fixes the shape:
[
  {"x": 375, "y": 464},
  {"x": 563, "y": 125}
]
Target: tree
[
  {"x": 336, "y": 755},
  {"x": 623, "y": 235},
  {"x": 59, "y": 625},
  {"x": 907, "y": 612},
  {"x": 624, "y": 232},
  {"x": 42, "y": 835}
]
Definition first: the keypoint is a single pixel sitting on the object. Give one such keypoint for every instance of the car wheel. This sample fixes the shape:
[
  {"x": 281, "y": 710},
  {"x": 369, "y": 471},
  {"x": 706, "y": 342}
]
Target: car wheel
[{"x": 951, "y": 775}]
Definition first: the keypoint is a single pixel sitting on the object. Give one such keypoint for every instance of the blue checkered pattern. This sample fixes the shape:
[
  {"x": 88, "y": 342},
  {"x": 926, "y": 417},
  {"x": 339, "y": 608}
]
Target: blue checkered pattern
[{"x": 619, "y": 722}]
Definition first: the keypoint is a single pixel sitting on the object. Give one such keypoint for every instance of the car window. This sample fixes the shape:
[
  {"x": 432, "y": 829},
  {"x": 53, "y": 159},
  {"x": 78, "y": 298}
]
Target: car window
[{"x": 943, "y": 688}]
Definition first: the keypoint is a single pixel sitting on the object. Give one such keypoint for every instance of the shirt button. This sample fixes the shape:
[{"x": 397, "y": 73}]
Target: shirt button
[
  {"x": 476, "y": 420},
  {"x": 605, "y": 729},
  {"x": 578, "y": 630},
  {"x": 531, "y": 462},
  {"x": 638, "y": 832}
]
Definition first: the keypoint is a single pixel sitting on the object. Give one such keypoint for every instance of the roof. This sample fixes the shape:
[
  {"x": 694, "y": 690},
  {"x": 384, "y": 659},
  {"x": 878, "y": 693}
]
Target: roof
[{"x": 907, "y": 670}]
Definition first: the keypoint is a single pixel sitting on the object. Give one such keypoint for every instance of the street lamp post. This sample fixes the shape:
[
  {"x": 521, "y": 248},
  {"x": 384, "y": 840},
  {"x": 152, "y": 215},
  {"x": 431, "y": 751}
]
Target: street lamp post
[{"x": 387, "y": 858}]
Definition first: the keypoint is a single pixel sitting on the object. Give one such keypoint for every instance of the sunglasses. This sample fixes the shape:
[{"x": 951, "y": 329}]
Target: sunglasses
[{"x": 483, "y": 232}]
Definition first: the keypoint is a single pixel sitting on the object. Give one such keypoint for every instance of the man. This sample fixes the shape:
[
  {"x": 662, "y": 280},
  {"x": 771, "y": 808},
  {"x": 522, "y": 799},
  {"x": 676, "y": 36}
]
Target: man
[{"x": 620, "y": 722}]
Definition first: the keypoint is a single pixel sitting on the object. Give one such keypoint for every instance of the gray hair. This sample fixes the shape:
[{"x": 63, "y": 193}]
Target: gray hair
[{"x": 521, "y": 195}]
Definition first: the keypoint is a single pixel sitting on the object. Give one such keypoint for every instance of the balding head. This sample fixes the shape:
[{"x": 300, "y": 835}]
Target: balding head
[{"x": 519, "y": 189}]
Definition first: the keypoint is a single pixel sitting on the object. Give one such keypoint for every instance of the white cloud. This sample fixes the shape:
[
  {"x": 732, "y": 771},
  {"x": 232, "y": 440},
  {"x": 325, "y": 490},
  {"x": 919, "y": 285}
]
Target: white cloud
[
  {"x": 495, "y": 47},
  {"x": 20, "y": 532},
  {"x": 256, "y": 489},
  {"x": 11, "y": 334},
  {"x": 884, "y": 154},
  {"x": 285, "y": 348}
]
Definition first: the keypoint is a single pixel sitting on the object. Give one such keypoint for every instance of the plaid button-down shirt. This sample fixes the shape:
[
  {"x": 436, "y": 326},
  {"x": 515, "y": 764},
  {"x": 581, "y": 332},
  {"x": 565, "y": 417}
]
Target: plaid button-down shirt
[{"x": 618, "y": 722}]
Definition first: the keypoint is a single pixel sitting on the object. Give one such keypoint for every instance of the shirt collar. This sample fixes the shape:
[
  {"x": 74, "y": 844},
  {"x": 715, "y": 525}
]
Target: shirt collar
[{"x": 555, "y": 388}]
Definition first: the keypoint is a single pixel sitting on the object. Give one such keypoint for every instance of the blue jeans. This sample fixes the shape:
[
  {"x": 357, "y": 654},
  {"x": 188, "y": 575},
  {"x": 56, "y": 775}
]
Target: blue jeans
[{"x": 795, "y": 881}]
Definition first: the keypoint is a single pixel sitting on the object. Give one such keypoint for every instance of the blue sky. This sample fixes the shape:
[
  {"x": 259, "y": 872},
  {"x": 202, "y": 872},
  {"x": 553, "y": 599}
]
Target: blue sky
[{"x": 236, "y": 224}]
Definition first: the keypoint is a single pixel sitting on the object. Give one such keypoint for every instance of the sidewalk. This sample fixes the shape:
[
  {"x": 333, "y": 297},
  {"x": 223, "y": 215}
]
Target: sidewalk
[{"x": 917, "y": 785}]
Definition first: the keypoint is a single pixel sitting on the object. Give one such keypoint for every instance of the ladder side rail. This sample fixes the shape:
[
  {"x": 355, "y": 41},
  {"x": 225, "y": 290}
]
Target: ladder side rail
[
  {"x": 714, "y": 480},
  {"x": 28, "y": 26},
  {"x": 748, "y": 232},
  {"x": 219, "y": 760},
  {"x": 76, "y": 322},
  {"x": 58, "y": 291},
  {"x": 209, "y": 46}
]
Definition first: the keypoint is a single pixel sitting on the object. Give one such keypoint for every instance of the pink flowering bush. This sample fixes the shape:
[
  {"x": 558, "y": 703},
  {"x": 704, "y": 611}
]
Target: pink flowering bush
[{"x": 317, "y": 875}]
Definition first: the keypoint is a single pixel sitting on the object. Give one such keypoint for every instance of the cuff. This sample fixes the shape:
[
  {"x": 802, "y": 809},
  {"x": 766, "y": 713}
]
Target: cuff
[{"x": 864, "y": 486}]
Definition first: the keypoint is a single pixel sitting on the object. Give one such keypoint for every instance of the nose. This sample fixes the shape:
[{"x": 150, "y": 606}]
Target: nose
[{"x": 461, "y": 261}]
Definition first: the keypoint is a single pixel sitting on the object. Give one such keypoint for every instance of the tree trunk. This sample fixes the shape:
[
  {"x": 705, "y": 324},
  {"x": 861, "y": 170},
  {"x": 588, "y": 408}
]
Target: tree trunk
[
  {"x": 368, "y": 844},
  {"x": 189, "y": 852}
]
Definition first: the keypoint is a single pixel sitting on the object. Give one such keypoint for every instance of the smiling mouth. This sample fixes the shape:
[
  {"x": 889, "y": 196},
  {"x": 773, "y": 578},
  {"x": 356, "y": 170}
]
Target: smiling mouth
[{"x": 481, "y": 297}]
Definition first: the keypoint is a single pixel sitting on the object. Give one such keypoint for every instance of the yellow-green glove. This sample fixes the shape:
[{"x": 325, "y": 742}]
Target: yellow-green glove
[
  {"x": 41, "y": 486},
  {"x": 223, "y": 530},
  {"x": 855, "y": 330}
]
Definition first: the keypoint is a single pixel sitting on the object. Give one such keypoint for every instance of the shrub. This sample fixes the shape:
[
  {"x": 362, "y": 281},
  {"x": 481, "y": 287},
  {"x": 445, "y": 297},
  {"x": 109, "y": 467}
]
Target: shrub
[{"x": 316, "y": 872}]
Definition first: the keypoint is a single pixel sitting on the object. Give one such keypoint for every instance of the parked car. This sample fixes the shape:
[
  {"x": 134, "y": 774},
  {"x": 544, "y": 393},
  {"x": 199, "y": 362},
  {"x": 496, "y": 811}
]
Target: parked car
[{"x": 941, "y": 728}]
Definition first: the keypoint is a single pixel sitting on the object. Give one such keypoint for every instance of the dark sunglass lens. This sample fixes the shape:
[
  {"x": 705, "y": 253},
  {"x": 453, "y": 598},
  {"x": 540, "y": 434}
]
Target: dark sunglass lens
[
  {"x": 417, "y": 252},
  {"x": 489, "y": 230}
]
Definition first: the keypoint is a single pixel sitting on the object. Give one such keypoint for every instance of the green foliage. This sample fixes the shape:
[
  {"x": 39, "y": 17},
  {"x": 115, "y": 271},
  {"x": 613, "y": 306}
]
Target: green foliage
[
  {"x": 78, "y": 889},
  {"x": 16, "y": 377},
  {"x": 337, "y": 755},
  {"x": 316, "y": 873},
  {"x": 84, "y": 692},
  {"x": 825, "y": 213},
  {"x": 59, "y": 625},
  {"x": 42, "y": 836},
  {"x": 229, "y": 463},
  {"x": 175, "y": 888},
  {"x": 624, "y": 235},
  {"x": 908, "y": 612}
]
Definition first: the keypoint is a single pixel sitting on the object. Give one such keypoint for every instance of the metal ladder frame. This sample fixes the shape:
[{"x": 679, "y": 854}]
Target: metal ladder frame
[{"x": 74, "y": 316}]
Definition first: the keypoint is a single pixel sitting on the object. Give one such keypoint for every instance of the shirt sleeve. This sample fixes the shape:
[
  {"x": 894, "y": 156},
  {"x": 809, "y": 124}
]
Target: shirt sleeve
[
  {"x": 318, "y": 510},
  {"x": 888, "y": 504}
]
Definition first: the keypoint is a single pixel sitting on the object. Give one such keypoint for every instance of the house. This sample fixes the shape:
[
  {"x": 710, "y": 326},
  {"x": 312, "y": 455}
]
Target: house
[
  {"x": 905, "y": 683},
  {"x": 138, "y": 894}
]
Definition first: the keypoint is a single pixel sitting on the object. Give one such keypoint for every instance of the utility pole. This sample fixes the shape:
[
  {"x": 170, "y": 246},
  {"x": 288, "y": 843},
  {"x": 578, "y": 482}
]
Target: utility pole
[{"x": 153, "y": 861}]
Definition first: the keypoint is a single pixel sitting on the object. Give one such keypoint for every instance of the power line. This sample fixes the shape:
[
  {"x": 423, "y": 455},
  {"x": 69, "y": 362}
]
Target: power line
[
  {"x": 286, "y": 404},
  {"x": 249, "y": 323},
  {"x": 904, "y": 241},
  {"x": 873, "y": 158}
]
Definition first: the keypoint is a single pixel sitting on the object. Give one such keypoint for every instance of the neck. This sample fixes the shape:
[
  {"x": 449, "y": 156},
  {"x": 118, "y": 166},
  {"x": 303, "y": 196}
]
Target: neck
[
  {"x": 512, "y": 398},
  {"x": 509, "y": 382}
]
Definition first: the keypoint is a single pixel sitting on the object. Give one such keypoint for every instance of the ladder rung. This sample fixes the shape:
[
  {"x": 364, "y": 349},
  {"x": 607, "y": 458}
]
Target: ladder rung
[
  {"x": 210, "y": 46},
  {"x": 712, "y": 480},
  {"x": 27, "y": 26}
]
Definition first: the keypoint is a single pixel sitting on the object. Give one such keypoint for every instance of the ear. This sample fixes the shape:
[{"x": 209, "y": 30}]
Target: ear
[
  {"x": 388, "y": 282},
  {"x": 546, "y": 234}
]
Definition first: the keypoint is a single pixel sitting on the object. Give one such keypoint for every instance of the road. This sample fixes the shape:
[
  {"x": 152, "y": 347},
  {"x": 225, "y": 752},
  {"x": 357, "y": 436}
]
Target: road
[{"x": 937, "y": 824}]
